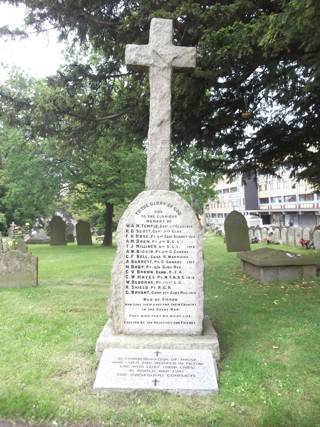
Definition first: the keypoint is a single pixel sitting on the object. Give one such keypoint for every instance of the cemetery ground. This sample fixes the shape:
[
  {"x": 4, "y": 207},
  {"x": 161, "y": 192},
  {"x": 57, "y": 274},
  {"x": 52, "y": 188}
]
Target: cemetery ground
[{"x": 269, "y": 337}]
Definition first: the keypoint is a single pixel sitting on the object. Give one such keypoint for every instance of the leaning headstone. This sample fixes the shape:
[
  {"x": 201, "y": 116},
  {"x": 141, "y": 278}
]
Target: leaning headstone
[
  {"x": 157, "y": 330},
  {"x": 291, "y": 236},
  {"x": 284, "y": 235},
  {"x": 236, "y": 232},
  {"x": 316, "y": 239},
  {"x": 298, "y": 235},
  {"x": 57, "y": 231},
  {"x": 83, "y": 233},
  {"x": 38, "y": 237},
  {"x": 18, "y": 269}
]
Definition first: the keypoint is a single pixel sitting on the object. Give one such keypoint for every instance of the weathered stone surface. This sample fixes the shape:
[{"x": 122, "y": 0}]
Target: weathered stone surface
[
  {"x": 306, "y": 233},
  {"x": 264, "y": 233},
  {"x": 160, "y": 55},
  {"x": 251, "y": 233},
  {"x": 257, "y": 234},
  {"x": 18, "y": 269},
  {"x": 182, "y": 371},
  {"x": 276, "y": 235},
  {"x": 267, "y": 265},
  {"x": 291, "y": 236},
  {"x": 208, "y": 340},
  {"x": 69, "y": 232},
  {"x": 316, "y": 239},
  {"x": 57, "y": 231},
  {"x": 297, "y": 235},
  {"x": 284, "y": 235},
  {"x": 21, "y": 246},
  {"x": 236, "y": 232},
  {"x": 83, "y": 233},
  {"x": 38, "y": 237},
  {"x": 157, "y": 278}
]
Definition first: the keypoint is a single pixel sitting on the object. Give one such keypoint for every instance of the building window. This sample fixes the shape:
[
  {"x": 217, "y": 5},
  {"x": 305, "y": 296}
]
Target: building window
[
  {"x": 225, "y": 190},
  {"x": 306, "y": 197},
  {"x": 264, "y": 200},
  {"x": 233, "y": 189},
  {"x": 292, "y": 198},
  {"x": 276, "y": 199}
]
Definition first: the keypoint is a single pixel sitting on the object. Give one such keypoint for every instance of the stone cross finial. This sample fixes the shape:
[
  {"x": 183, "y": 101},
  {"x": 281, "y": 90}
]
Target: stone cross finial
[{"x": 160, "y": 55}]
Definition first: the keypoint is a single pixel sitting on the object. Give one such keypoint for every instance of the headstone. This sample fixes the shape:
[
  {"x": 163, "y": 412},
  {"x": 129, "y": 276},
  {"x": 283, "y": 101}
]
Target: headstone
[
  {"x": 306, "y": 233},
  {"x": 157, "y": 278},
  {"x": 264, "y": 233},
  {"x": 257, "y": 234},
  {"x": 10, "y": 231},
  {"x": 251, "y": 233},
  {"x": 83, "y": 233},
  {"x": 316, "y": 239},
  {"x": 21, "y": 246},
  {"x": 69, "y": 232},
  {"x": 284, "y": 235},
  {"x": 291, "y": 236},
  {"x": 38, "y": 237},
  {"x": 18, "y": 269},
  {"x": 298, "y": 235},
  {"x": 236, "y": 232},
  {"x": 276, "y": 235},
  {"x": 57, "y": 231}
]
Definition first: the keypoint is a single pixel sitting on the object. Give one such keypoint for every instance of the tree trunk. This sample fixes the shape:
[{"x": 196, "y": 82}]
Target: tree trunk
[{"x": 107, "y": 240}]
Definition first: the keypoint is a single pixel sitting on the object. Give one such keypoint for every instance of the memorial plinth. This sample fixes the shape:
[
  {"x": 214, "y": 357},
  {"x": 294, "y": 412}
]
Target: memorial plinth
[{"x": 267, "y": 265}]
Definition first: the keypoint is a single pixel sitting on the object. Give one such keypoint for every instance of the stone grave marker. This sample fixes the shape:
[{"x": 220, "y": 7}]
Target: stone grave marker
[
  {"x": 21, "y": 246},
  {"x": 298, "y": 236},
  {"x": 156, "y": 303},
  {"x": 284, "y": 235},
  {"x": 83, "y": 233},
  {"x": 236, "y": 232},
  {"x": 316, "y": 239},
  {"x": 18, "y": 269},
  {"x": 264, "y": 233},
  {"x": 291, "y": 236},
  {"x": 38, "y": 237},
  {"x": 251, "y": 233},
  {"x": 306, "y": 233},
  {"x": 276, "y": 235},
  {"x": 257, "y": 234},
  {"x": 57, "y": 231},
  {"x": 69, "y": 232}
]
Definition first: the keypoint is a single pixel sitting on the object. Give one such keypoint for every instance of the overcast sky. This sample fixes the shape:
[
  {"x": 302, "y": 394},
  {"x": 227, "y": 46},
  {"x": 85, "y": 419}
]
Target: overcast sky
[{"x": 39, "y": 55}]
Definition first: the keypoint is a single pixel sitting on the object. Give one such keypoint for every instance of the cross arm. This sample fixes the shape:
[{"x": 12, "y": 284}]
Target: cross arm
[
  {"x": 184, "y": 57},
  {"x": 138, "y": 55}
]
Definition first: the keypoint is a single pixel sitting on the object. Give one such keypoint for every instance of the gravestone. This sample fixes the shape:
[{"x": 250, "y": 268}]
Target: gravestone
[
  {"x": 298, "y": 235},
  {"x": 264, "y": 233},
  {"x": 257, "y": 234},
  {"x": 276, "y": 235},
  {"x": 21, "y": 246},
  {"x": 284, "y": 235},
  {"x": 57, "y": 231},
  {"x": 291, "y": 236},
  {"x": 316, "y": 239},
  {"x": 236, "y": 232},
  {"x": 38, "y": 237},
  {"x": 306, "y": 233},
  {"x": 69, "y": 232},
  {"x": 251, "y": 233},
  {"x": 18, "y": 269},
  {"x": 83, "y": 233},
  {"x": 157, "y": 330}
]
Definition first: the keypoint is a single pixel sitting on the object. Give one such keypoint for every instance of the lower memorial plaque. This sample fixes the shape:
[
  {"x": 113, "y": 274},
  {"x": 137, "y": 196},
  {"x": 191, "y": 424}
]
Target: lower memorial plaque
[{"x": 177, "y": 371}]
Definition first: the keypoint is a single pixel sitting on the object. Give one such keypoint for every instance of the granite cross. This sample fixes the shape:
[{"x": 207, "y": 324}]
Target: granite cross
[{"x": 161, "y": 56}]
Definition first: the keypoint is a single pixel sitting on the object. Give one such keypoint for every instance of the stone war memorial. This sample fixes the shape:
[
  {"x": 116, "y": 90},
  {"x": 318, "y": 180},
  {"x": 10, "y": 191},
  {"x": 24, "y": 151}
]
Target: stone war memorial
[
  {"x": 236, "y": 232},
  {"x": 157, "y": 337}
]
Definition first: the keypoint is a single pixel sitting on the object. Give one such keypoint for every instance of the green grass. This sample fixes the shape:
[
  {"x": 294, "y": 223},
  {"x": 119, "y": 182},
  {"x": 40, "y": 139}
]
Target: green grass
[{"x": 269, "y": 336}]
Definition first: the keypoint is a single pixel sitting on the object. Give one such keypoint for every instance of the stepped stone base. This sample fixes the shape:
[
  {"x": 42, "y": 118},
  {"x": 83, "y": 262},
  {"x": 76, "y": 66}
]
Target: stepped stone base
[{"x": 207, "y": 341}]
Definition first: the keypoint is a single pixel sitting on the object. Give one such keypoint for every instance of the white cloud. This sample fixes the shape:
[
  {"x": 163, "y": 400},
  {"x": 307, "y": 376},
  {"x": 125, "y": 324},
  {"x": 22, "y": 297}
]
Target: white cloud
[{"x": 39, "y": 55}]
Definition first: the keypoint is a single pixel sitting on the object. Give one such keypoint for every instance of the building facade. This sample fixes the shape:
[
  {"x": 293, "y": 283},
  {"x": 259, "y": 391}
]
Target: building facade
[{"x": 280, "y": 201}]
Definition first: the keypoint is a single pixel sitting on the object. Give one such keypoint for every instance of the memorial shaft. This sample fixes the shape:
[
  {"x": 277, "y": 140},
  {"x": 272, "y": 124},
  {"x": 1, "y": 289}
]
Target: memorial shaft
[{"x": 161, "y": 56}]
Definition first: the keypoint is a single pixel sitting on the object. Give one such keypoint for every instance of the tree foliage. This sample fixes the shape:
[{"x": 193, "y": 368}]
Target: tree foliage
[{"x": 255, "y": 56}]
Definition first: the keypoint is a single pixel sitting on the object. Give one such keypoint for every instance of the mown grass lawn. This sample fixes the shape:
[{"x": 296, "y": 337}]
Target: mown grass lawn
[{"x": 269, "y": 336}]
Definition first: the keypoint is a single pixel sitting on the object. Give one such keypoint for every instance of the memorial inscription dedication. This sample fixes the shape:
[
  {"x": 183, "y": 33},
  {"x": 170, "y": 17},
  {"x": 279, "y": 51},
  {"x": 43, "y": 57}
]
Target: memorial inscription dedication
[{"x": 156, "y": 301}]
